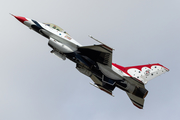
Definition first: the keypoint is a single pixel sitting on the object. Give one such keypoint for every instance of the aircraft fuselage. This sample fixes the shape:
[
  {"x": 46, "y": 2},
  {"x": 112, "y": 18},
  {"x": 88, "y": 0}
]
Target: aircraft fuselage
[{"x": 96, "y": 62}]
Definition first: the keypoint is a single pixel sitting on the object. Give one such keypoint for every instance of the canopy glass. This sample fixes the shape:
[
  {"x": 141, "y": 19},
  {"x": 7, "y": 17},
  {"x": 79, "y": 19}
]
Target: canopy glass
[{"x": 55, "y": 27}]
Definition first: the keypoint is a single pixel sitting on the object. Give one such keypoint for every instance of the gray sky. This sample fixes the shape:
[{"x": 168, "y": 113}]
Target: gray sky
[{"x": 36, "y": 85}]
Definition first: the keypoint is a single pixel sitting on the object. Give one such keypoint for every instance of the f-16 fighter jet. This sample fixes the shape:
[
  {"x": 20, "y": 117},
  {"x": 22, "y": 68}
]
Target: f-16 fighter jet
[{"x": 96, "y": 62}]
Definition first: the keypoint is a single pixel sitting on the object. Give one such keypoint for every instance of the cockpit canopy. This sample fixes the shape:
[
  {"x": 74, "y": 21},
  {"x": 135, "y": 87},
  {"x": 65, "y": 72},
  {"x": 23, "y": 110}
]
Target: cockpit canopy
[{"x": 56, "y": 27}]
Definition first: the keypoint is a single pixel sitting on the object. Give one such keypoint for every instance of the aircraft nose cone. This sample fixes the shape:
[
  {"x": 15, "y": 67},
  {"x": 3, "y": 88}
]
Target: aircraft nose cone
[{"x": 21, "y": 19}]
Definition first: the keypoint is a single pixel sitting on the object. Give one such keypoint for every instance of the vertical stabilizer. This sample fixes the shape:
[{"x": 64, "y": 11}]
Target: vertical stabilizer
[{"x": 143, "y": 73}]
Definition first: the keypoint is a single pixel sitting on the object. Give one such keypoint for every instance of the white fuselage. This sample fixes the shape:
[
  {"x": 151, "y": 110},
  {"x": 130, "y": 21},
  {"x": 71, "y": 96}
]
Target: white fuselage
[{"x": 63, "y": 42}]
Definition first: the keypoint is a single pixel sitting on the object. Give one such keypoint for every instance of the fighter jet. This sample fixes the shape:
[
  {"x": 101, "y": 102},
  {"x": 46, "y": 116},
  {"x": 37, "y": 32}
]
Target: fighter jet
[{"x": 96, "y": 62}]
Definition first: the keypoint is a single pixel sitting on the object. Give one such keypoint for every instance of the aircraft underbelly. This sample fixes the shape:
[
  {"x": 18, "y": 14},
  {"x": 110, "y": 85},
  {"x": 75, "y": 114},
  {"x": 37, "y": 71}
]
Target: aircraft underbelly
[
  {"x": 59, "y": 46},
  {"x": 62, "y": 45},
  {"x": 106, "y": 70},
  {"x": 60, "y": 38}
]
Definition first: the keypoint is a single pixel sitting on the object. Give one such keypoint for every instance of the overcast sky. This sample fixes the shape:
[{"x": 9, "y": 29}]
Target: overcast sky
[{"x": 36, "y": 85}]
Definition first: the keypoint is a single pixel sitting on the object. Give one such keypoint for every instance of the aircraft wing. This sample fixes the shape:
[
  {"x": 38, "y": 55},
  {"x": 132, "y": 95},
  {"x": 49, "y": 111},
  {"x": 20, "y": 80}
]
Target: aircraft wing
[{"x": 98, "y": 53}]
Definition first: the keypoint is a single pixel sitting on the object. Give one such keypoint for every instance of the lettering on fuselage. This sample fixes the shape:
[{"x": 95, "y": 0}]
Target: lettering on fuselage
[{"x": 66, "y": 36}]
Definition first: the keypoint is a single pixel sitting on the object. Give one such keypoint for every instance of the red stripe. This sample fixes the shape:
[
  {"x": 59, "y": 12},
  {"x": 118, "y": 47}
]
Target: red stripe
[
  {"x": 21, "y": 19},
  {"x": 139, "y": 67},
  {"x": 106, "y": 91},
  {"x": 121, "y": 68},
  {"x": 107, "y": 47},
  {"x": 137, "y": 106}
]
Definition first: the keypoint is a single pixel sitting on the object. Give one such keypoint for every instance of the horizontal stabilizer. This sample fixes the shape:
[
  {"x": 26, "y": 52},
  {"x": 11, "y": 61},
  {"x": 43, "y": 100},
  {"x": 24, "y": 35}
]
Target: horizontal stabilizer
[
  {"x": 103, "y": 89},
  {"x": 137, "y": 101},
  {"x": 102, "y": 86}
]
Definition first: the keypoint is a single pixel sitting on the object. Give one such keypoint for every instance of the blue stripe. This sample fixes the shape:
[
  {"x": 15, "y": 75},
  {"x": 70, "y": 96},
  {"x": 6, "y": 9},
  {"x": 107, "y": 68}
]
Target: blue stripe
[{"x": 38, "y": 25}]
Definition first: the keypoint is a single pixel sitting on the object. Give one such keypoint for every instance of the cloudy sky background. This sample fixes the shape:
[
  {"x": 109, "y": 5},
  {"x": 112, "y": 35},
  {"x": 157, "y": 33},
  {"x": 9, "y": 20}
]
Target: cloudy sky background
[{"x": 36, "y": 85}]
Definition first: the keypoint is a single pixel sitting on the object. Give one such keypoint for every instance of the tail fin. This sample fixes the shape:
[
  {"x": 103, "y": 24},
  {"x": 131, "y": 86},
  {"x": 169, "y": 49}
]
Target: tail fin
[{"x": 144, "y": 73}]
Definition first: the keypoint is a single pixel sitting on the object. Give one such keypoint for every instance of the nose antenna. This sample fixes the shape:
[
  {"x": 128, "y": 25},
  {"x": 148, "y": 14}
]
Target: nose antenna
[{"x": 12, "y": 14}]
